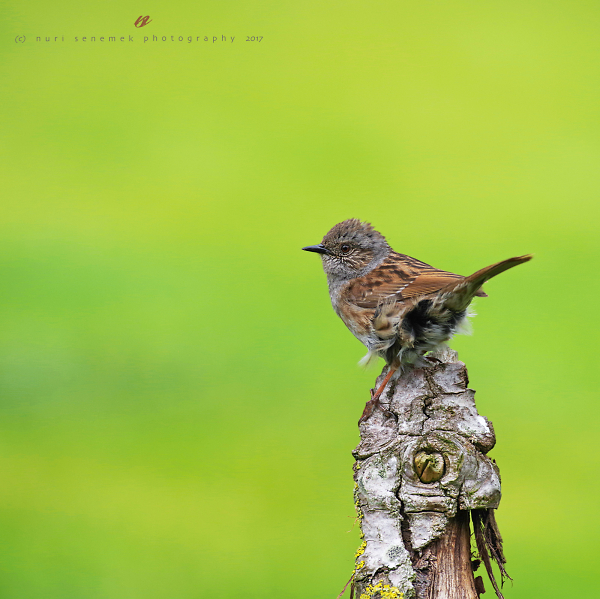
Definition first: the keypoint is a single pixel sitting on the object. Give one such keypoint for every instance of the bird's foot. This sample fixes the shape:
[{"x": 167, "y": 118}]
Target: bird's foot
[
  {"x": 372, "y": 404},
  {"x": 433, "y": 359},
  {"x": 375, "y": 395},
  {"x": 369, "y": 407}
]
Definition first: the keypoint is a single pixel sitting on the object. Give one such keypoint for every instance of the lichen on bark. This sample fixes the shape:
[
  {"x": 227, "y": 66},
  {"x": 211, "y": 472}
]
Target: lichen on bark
[{"x": 421, "y": 466}]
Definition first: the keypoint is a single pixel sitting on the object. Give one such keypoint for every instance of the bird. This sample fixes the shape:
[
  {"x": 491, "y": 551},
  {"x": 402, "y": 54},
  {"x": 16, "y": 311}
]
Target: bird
[{"x": 399, "y": 307}]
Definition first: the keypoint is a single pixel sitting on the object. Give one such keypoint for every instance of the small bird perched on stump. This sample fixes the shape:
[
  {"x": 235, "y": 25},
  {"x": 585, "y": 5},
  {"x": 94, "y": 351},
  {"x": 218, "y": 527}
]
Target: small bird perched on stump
[{"x": 400, "y": 308}]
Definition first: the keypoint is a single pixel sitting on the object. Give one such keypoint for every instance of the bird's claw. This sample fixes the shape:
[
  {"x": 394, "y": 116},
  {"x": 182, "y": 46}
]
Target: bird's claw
[
  {"x": 370, "y": 408},
  {"x": 433, "y": 359}
]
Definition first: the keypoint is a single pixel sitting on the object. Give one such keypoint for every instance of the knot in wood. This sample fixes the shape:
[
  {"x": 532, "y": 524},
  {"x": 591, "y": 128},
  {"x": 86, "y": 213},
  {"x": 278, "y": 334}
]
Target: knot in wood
[{"x": 429, "y": 466}]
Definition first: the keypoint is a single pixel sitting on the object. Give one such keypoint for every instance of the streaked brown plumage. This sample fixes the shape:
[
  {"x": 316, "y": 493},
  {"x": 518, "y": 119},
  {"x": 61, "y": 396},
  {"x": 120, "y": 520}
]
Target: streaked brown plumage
[{"x": 399, "y": 307}]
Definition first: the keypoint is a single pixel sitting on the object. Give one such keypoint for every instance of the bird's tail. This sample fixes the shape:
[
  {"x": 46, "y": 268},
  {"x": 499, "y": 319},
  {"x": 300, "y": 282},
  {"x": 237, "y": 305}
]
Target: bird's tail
[{"x": 461, "y": 293}]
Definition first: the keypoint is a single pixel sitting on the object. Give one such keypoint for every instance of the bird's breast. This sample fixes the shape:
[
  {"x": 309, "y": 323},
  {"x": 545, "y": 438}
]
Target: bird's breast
[{"x": 358, "y": 320}]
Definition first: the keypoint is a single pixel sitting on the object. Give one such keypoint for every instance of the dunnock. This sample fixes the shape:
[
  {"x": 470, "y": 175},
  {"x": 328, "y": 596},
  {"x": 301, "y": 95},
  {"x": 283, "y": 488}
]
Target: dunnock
[{"x": 400, "y": 308}]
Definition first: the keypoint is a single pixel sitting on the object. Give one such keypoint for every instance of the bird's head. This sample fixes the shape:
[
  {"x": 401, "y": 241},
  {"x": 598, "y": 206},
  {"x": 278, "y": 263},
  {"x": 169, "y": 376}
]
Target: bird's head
[{"x": 351, "y": 249}]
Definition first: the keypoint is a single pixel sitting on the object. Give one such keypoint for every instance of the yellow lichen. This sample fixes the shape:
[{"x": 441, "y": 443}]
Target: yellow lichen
[
  {"x": 359, "y": 513},
  {"x": 360, "y": 550},
  {"x": 360, "y": 565},
  {"x": 386, "y": 591}
]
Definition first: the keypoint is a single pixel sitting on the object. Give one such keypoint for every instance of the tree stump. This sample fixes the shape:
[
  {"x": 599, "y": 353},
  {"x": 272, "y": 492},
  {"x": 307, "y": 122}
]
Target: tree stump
[{"x": 421, "y": 467}]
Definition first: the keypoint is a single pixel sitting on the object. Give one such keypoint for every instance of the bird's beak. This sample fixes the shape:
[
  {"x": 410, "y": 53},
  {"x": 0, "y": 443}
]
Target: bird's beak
[{"x": 320, "y": 249}]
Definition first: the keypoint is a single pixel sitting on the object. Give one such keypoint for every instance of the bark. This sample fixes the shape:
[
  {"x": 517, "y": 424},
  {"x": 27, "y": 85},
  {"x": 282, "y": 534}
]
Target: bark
[{"x": 421, "y": 467}]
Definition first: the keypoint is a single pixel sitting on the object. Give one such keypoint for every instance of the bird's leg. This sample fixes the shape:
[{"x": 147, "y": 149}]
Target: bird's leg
[
  {"x": 374, "y": 401},
  {"x": 386, "y": 380}
]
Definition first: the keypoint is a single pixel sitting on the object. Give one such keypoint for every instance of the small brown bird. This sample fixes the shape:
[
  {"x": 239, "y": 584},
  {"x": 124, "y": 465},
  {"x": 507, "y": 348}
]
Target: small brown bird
[{"x": 400, "y": 308}]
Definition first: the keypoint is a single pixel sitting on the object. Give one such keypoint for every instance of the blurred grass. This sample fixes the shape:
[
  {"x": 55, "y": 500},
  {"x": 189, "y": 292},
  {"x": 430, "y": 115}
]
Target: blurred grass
[{"x": 179, "y": 401}]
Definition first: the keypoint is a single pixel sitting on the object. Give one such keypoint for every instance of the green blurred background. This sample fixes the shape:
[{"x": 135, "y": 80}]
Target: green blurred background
[{"x": 179, "y": 401}]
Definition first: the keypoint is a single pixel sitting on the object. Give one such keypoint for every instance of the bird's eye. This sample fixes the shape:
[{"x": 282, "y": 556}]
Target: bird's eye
[{"x": 345, "y": 249}]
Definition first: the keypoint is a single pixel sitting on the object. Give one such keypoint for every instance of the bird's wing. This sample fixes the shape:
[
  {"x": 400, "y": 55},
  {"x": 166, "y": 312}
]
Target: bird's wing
[{"x": 397, "y": 279}]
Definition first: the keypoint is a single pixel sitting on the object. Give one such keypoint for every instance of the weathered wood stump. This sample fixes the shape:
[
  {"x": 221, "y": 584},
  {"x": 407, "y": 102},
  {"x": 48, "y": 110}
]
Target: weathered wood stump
[{"x": 421, "y": 467}]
